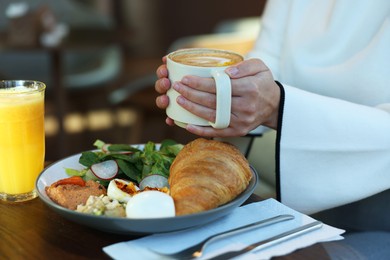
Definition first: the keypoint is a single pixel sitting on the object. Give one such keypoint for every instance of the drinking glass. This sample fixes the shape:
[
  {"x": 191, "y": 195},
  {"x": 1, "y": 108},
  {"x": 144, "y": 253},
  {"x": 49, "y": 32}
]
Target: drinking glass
[{"x": 22, "y": 138}]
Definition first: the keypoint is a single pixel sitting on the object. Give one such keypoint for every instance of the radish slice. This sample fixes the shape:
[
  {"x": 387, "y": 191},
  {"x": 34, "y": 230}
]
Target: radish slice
[
  {"x": 154, "y": 181},
  {"x": 106, "y": 170}
]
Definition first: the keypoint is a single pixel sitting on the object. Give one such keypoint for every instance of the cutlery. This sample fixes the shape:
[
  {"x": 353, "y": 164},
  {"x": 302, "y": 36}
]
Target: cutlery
[
  {"x": 270, "y": 241},
  {"x": 196, "y": 251}
]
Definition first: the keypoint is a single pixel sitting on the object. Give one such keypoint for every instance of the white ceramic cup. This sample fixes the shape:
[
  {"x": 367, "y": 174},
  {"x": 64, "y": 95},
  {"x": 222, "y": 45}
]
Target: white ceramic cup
[{"x": 202, "y": 62}]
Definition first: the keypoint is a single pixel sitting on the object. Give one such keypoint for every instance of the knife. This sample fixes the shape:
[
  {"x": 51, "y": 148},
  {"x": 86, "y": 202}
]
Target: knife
[{"x": 270, "y": 241}]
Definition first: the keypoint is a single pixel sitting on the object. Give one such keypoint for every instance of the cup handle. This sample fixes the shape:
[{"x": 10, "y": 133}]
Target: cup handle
[{"x": 224, "y": 99}]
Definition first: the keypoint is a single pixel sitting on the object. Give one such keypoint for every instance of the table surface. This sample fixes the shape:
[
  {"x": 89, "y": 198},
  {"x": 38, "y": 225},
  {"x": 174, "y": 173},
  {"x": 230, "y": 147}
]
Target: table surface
[{"x": 31, "y": 230}]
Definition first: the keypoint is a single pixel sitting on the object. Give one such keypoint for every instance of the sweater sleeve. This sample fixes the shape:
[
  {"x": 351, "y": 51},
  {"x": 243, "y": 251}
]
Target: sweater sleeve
[
  {"x": 330, "y": 152},
  {"x": 269, "y": 44}
]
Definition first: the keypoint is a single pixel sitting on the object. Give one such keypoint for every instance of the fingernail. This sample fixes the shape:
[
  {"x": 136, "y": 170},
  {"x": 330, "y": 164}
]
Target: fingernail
[
  {"x": 232, "y": 71},
  {"x": 180, "y": 100},
  {"x": 176, "y": 86},
  {"x": 185, "y": 80}
]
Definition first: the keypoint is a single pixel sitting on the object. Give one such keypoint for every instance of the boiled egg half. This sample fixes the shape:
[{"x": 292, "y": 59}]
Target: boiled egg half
[
  {"x": 150, "y": 204},
  {"x": 121, "y": 190}
]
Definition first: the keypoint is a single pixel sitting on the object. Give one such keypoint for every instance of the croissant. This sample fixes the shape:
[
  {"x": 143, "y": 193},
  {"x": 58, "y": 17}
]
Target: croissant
[{"x": 206, "y": 174}]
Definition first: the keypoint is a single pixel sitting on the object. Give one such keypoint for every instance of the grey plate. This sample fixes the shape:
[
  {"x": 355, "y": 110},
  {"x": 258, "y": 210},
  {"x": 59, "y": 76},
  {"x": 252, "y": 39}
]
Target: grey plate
[{"x": 127, "y": 226}]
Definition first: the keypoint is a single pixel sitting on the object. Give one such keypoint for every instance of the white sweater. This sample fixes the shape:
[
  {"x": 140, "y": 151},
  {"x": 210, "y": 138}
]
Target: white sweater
[{"x": 333, "y": 59}]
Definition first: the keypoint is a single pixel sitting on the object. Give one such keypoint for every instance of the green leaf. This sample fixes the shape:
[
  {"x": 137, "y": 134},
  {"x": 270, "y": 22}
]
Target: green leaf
[
  {"x": 146, "y": 170},
  {"x": 99, "y": 144},
  {"x": 129, "y": 170},
  {"x": 74, "y": 172},
  {"x": 175, "y": 149},
  {"x": 126, "y": 157},
  {"x": 167, "y": 142},
  {"x": 122, "y": 147},
  {"x": 89, "y": 158},
  {"x": 160, "y": 168},
  {"x": 149, "y": 147}
]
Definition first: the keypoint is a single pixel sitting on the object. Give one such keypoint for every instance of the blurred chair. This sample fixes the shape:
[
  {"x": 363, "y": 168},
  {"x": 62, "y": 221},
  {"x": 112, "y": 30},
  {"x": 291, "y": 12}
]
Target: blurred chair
[{"x": 82, "y": 68}]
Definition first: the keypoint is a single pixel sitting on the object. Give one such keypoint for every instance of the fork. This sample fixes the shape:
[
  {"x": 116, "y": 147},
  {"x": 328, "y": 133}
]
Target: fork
[{"x": 196, "y": 251}]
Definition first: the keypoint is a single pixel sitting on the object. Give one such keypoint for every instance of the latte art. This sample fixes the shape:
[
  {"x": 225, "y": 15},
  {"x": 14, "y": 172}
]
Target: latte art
[{"x": 206, "y": 58}]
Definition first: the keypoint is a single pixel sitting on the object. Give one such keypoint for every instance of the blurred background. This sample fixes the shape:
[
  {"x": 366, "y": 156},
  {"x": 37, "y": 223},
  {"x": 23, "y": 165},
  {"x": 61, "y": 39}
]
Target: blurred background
[
  {"x": 85, "y": 50},
  {"x": 98, "y": 59}
]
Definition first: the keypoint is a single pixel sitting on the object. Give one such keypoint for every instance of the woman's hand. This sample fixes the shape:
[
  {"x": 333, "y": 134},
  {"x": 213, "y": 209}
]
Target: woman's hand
[
  {"x": 162, "y": 85},
  {"x": 255, "y": 98}
]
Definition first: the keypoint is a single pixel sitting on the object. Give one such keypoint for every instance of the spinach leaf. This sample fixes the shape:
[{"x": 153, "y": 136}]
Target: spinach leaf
[
  {"x": 89, "y": 158},
  {"x": 129, "y": 170}
]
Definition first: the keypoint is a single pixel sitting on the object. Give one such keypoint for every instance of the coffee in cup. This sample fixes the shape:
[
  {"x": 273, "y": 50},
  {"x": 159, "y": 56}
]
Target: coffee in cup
[{"x": 202, "y": 62}]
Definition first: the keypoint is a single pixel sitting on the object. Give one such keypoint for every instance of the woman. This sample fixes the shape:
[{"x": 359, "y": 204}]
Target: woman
[{"x": 319, "y": 75}]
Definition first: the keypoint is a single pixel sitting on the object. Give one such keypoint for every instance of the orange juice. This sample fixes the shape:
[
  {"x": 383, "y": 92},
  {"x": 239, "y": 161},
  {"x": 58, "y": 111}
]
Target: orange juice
[{"x": 22, "y": 140}]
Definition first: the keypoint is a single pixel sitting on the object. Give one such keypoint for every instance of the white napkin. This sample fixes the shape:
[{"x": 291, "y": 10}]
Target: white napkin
[{"x": 175, "y": 241}]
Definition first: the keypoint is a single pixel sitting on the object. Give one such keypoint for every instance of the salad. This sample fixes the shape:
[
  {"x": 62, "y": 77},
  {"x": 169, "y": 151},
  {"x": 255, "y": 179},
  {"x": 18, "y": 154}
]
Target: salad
[{"x": 146, "y": 165}]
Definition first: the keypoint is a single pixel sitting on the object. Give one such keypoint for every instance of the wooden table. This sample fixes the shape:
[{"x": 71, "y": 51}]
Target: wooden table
[{"x": 30, "y": 230}]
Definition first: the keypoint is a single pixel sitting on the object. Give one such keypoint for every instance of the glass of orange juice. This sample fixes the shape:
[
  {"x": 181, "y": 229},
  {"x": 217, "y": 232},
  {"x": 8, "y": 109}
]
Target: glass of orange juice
[{"x": 22, "y": 138}]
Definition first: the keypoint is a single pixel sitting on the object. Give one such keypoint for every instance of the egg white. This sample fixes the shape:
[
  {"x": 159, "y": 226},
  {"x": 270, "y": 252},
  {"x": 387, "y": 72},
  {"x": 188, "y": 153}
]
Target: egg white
[
  {"x": 116, "y": 193},
  {"x": 150, "y": 204}
]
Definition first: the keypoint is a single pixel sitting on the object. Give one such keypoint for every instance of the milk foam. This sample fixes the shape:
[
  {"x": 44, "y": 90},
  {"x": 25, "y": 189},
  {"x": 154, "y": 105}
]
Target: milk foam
[{"x": 206, "y": 58}]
